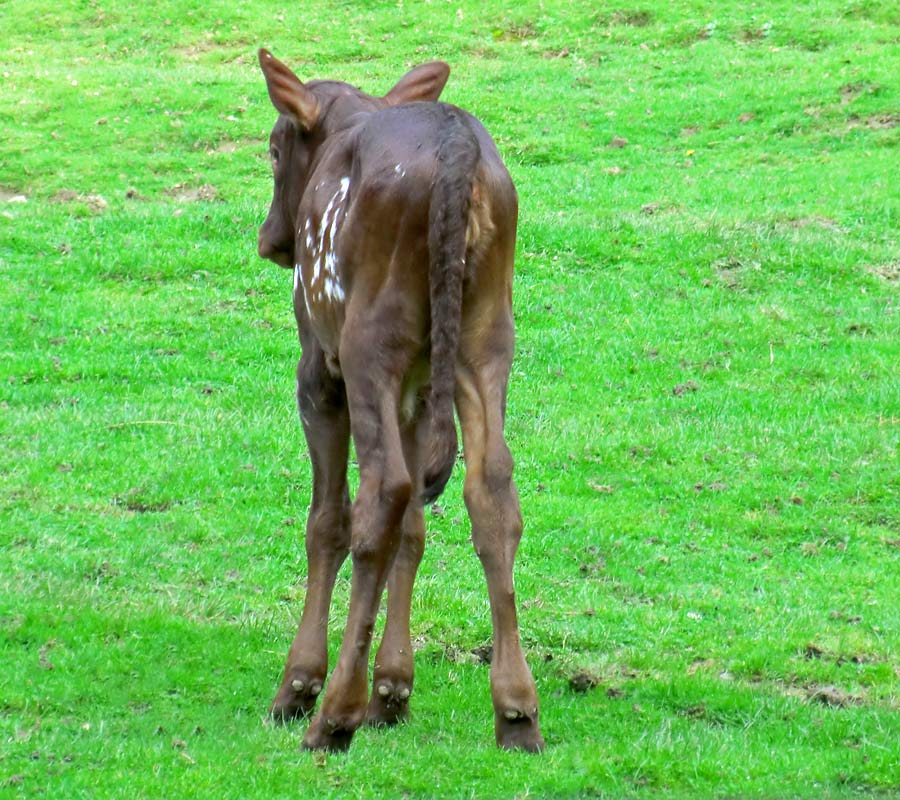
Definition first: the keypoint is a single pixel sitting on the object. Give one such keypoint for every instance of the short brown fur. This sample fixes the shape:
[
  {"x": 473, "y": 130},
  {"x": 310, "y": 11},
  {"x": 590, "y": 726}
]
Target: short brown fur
[{"x": 399, "y": 220}]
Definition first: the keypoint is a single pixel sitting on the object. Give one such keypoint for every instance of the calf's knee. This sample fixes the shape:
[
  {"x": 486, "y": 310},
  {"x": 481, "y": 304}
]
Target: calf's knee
[
  {"x": 377, "y": 514},
  {"x": 489, "y": 484}
]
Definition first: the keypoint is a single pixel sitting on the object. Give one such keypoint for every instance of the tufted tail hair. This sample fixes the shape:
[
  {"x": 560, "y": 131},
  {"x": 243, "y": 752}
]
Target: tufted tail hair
[{"x": 457, "y": 158}]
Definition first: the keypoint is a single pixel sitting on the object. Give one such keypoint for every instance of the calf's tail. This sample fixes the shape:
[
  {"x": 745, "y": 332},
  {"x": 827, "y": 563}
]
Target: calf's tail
[{"x": 457, "y": 159}]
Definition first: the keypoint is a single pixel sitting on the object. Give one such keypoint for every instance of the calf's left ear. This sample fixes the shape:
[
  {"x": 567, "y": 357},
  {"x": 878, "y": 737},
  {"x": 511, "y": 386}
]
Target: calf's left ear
[
  {"x": 424, "y": 82},
  {"x": 287, "y": 92}
]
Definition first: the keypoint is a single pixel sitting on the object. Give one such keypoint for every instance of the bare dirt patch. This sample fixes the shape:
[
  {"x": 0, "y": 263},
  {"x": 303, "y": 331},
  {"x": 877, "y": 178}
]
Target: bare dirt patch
[
  {"x": 479, "y": 656},
  {"x": 583, "y": 681},
  {"x": 44, "y": 654},
  {"x": 9, "y": 195},
  {"x": 697, "y": 711},
  {"x": 229, "y": 146},
  {"x": 883, "y": 121},
  {"x": 192, "y": 194},
  {"x": 194, "y": 51},
  {"x": 95, "y": 202},
  {"x": 814, "y": 652},
  {"x": 815, "y": 221},
  {"x": 874, "y": 122},
  {"x": 64, "y": 196},
  {"x": 516, "y": 32},
  {"x": 140, "y": 505},
  {"x": 685, "y": 388},
  {"x": 632, "y": 19},
  {"x": 750, "y": 35},
  {"x": 594, "y": 562},
  {"x": 832, "y": 696},
  {"x": 829, "y": 695},
  {"x": 730, "y": 271},
  {"x": 850, "y": 91}
]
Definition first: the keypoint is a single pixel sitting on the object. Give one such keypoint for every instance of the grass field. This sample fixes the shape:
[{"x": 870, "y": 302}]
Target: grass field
[{"x": 704, "y": 409}]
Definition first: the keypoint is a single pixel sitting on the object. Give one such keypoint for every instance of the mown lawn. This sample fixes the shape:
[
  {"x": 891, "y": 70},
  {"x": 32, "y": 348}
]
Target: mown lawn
[{"x": 705, "y": 406}]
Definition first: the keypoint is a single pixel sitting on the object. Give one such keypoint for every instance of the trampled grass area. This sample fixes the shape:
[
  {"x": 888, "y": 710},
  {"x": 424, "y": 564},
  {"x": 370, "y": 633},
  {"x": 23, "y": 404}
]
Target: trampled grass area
[{"x": 705, "y": 406}]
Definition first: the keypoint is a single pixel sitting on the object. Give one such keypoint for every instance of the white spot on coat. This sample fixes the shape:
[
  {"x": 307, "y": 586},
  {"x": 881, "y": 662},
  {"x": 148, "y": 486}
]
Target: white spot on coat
[
  {"x": 326, "y": 261},
  {"x": 324, "y": 282},
  {"x": 298, "y": 284}
]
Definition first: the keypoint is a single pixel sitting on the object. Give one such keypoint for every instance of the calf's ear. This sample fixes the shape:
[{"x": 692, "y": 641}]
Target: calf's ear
[
  {"x": 424, "y": 82},
  {"x": 287, "y": 92}
]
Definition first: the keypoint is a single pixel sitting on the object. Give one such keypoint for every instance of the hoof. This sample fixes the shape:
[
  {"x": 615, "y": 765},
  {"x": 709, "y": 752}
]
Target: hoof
[
  {"x": 389, "y": 703},
  {"x": 328, "y": 735},
  {"x": 296, "y": 698},
  {"x": 518, "y": 730}
]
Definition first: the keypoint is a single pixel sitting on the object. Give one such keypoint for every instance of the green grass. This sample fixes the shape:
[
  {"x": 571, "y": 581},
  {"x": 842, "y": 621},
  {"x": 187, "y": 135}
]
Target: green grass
[{"x": 705, "y": 405}]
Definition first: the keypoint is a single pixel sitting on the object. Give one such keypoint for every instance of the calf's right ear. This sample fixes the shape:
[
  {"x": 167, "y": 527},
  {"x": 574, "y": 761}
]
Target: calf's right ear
[
  {"x": 287, "y": 92},
  {"x": 425, "y": 82}
]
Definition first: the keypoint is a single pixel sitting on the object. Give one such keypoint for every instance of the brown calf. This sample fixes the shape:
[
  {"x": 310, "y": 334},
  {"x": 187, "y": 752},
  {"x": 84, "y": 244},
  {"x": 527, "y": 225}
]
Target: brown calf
[{"x": 399, "y": 221}]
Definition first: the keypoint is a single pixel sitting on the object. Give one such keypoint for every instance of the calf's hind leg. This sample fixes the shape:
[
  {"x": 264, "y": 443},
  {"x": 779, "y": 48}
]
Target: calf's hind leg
[
  {"x": 326, "y": 424},
  {"x": 384, "y": 493},
  {"x": 493, "y": 506},
  {"x": 392, "y": 680}
]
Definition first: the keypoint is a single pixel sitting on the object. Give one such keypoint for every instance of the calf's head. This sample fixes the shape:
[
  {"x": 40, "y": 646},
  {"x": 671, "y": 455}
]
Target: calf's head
[{"x": 310, "y": 113}]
